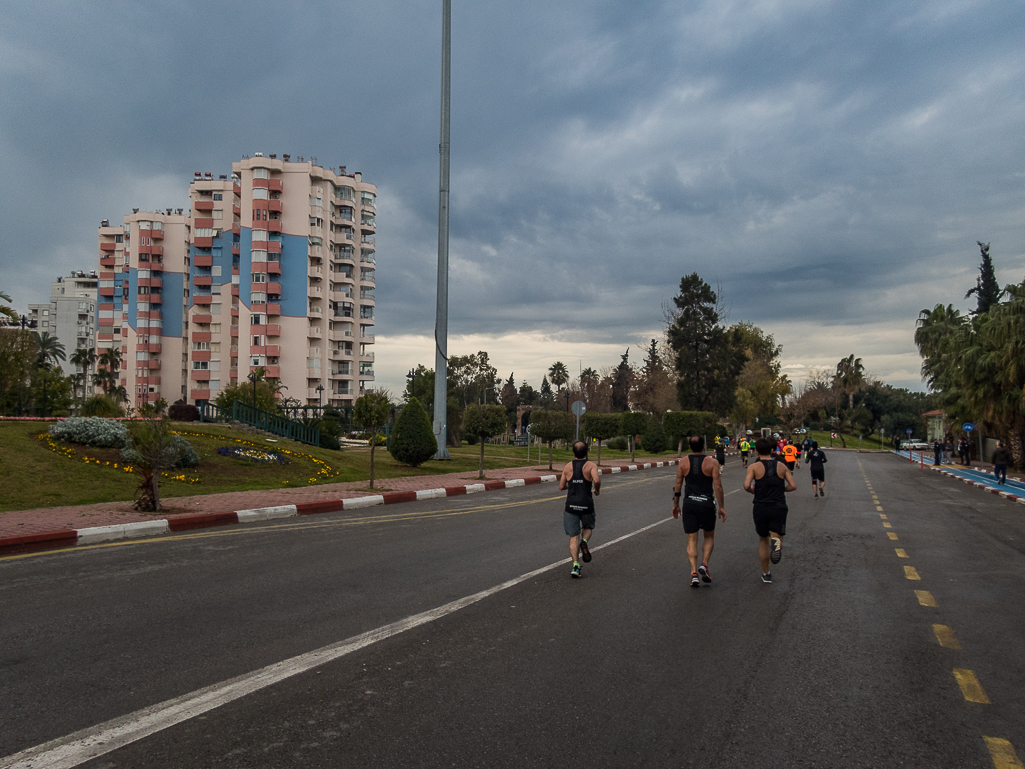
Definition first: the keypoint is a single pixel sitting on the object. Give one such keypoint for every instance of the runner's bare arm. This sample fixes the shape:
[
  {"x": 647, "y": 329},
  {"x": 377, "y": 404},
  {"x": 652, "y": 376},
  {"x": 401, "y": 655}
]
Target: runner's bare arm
[
  {"x": 678, "y": 487},
  {"x": 789, "y": 478},
  {"x": 564, "y": 478},
  {"x": 749, "y": 479},
  {"x": 595, "y": 479}
]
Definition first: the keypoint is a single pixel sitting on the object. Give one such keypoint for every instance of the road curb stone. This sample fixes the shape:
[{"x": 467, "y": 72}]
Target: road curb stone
[{"x": 88, "y": 536}]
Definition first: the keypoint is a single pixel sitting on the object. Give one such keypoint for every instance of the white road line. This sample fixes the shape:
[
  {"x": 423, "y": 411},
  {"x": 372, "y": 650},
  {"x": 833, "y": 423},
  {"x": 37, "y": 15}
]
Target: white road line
[{"x": 87, "y": 744}]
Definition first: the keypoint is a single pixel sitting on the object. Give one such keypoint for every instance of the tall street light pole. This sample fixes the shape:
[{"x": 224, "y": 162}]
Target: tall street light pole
[{"x": 441, "y": 324}]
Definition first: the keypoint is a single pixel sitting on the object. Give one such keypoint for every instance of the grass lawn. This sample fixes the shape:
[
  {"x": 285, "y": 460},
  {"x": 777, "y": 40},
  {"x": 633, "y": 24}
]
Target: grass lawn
[
  {"x": 852, "y": 441},
  {"x": 33, "y": 475}
]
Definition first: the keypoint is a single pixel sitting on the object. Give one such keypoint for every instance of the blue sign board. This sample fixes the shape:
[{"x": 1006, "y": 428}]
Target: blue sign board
[
  {"x": 909, "y": 431},
  {"x": 968, "y": 427}
]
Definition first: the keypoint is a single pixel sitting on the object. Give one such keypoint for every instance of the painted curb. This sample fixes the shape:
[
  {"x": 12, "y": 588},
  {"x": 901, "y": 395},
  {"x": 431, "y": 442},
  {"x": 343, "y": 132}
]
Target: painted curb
[{"x": 91, "y": 536}]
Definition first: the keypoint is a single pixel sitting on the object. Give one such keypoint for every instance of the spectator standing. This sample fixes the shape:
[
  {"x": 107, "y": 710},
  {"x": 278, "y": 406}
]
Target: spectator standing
[{"x": 1001, "y": 459}]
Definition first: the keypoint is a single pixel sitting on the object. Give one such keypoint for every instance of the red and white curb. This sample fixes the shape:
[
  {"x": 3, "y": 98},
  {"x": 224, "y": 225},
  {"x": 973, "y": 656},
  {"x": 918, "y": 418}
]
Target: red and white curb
[
  {"x": 985, "y": 487},
  {"x": 72, "y": 537}
]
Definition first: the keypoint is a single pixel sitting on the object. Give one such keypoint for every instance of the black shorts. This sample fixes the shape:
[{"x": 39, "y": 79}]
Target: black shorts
[
  {"x": 818, "y": 475},
  {"x": 743, "y": 453},
  {"x": 771, "y": 517},
  {"x": 697, "y": 515}
]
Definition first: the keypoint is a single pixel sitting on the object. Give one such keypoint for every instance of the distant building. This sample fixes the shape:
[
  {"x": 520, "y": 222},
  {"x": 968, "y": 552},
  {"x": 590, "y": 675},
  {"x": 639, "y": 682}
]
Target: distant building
[
  {"x": 70, "y": 315},
  {"x": 935, "y": 425},
  {"x": 272, "y": 268}
]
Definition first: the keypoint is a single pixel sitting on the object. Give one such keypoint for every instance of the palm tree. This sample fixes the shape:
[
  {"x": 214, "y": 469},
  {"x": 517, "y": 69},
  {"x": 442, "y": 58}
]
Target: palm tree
[
  {"x": 559, "y": 375},
  {"x": 84, "y": 358},
  {"x": 50, "y": 349},
  {"x": 106, "y": 377},
  {"x": 850, "y": 376},
  {"x": 6, "y": 310}
]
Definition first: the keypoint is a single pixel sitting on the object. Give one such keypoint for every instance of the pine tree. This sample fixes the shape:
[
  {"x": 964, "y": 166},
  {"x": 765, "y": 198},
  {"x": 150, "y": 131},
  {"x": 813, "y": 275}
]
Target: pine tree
[
  {"x": 413, "y": 441},
  {"x": 987, "y": 290}
]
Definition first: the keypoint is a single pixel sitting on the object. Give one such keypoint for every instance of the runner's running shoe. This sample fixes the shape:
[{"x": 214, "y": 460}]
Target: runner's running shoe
[
  {"x": 703, "y": 571},
  {"x": 767, "y": 577},
  {"x": 575, "y": 571},
  {"x": 585, "y": 551},
  {"x": 777, "y": 550},
  {"x": 695, "y": 581}
]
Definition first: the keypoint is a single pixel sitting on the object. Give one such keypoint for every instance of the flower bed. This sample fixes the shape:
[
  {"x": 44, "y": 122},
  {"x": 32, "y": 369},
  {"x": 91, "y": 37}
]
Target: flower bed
[{"x": 253, "y": 454}]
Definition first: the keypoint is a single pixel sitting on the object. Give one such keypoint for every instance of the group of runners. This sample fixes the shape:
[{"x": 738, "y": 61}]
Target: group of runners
[{"x": 699, "y": 485}]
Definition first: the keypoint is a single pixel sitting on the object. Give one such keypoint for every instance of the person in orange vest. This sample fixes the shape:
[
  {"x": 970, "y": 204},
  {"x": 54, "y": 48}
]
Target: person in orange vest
[{"x": 791, "y": 456}]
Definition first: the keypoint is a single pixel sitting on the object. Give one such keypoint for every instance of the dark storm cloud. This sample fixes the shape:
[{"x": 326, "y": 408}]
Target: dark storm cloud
[{"x": 827, "y": 160}]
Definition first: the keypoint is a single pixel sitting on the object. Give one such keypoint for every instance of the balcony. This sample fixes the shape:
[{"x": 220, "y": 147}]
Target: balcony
[
  {"x": 203, "y": 320},
  {"x": 203, "y": 299},
  {"x": 274, "y": 205},
  {"x": 199, "y": 376},
  {"x": 314, "y": 291},
  {"x": 272, "y": 372},
  {"x": 201, "y": 355},
  {"x": 314, "y": 332},
  {"x": 108, "y": 247},
  {"x": 154, "y": 282},
  {"x": 272, "y": 350},
  {"x": 273, "y": 225},
  {"x": 107, "y": 291},
  {"x": 315, "y": 311},
  {"x": 156, "y": 250},
  {"x": 199, "y": 395},
  {"x": 274, "y": 268},
  {"x": 203, "y": 260},
  {"x": 152, "y": 348},
  {"x": 203, "y": 242},
  {"x": 234, "y": 290},
  {"x": 235, "y": 249},
  {"x": 274, "y": 185},
  {"x": 201, "y": 336},
  {"x": 274, "y": 247},
  {"x": 236, "y": 229},
  {"x": 273, "y": 308},
  {"x": 274, "y": 288},
  {"x": 154, "y": 364},
  {"x": 157, "y": 234},
  {"x": 106, "y": 261},
  {"x": 368, "y": 373},
  {"x": 314, "y": 271},
  {"x": 204, "y": 205}
]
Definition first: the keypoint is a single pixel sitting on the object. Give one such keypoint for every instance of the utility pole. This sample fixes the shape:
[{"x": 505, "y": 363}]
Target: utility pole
[{"x": 441, "y": 323}]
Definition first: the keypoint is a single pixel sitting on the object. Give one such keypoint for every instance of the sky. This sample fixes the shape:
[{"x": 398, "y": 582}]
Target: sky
[{"x": 829, "y": 166}]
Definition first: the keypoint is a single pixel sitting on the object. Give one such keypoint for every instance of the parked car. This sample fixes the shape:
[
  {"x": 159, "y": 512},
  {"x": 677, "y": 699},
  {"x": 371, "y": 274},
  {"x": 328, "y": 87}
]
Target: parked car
[{"x": 916, "y": 445}]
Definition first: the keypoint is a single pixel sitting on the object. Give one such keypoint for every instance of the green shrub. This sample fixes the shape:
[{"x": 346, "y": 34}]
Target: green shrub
[
  {"x": 91, "y": 431},
  {"x": 471, "y": 440},
  {"x": 100, "y": 406},
  {"x": 183, "y": 412},
  {"x": 619, "y": 443},
  {"x": 413, "y": 441},
  {"x": 329, "y": 442},
  {"x": 654, "y": 439}
]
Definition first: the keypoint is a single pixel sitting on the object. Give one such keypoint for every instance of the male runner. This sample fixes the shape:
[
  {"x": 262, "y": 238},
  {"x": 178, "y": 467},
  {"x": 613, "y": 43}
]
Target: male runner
[
  {"x": 768, "y": 479},
  {"x": 700, "y": 474},
  {"x": 816, "y": 459},
  {"x": 720, "y": 454},
  {"x": 790, "y": 456},
  {"x": 745, "y": 449},
  {"x": 578, "y": 517}
]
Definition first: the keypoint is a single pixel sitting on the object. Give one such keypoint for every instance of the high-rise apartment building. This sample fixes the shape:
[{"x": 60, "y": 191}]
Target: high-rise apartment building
[
  {"x": 272, "y": 269},
  {"x": 70, "y": 315},
  {"x": 143, "y": 295}
]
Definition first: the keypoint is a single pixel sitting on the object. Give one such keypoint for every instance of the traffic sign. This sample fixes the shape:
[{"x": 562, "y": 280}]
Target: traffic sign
[
  {"x": 909, "y": 431},
  {"x": 579, "y": 407},
  {"x": 968, "y": 427}
]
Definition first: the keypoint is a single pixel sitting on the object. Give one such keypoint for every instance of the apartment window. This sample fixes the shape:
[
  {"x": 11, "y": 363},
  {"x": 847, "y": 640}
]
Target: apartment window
[
  {"x": 215, "y": 384},
  {"x": 259, "y": 235},
  {"x": 204, "y": 232},
  {"x": 200, "y": 365},
  {"x": 366, "y": 311},
  {"x": 257, "y": 319},
  {"x": 200, "y": 345},
  {"x": 259, "y": 256},
  {"x": 143, "y": 290},
  {"x": 258, "y": 360},
  {"x": 257, "y": 341},
  {"x": 259, "y": 193},
  {"x": 259, "y": 297},
  {"x": 259, "y": 277},
  {"x": 215, "y": 309},
  {"x": 217, "y": 214},
  {"x": 261, "y": 173},
  {"x": 218, "y": 196}
]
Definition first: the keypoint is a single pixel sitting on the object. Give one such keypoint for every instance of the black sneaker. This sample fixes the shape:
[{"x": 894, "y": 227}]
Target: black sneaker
[
  {"x": 575, "y": 571},
  {"x": 703, "y": 571},
  {"x": 777, "y": 550},
  {"x": 585, "y": 551},
  {"x": 695, "y": 581},
  {"x": 767, "y": 577}
]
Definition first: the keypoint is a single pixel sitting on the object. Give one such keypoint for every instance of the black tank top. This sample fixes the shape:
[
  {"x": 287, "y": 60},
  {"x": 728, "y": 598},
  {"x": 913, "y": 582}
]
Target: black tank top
[
  {"x": 770, "y": 487},
  {"x": 698, "y": 486},
  {"x": 579, "y": 500}
]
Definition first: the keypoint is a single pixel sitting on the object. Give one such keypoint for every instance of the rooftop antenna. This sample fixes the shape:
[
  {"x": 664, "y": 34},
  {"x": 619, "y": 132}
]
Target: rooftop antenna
[{"x": 441, "y": 324}]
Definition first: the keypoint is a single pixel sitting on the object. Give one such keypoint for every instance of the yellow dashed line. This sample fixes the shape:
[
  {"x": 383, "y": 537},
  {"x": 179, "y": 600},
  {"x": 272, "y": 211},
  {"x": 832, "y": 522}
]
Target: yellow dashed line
[
  {"x": 946, "y": 637},
  {"x": 970, "y": 686},
  {"x": 925, "y": 598},
  {"x": 879, "y": 508},
  {"x": 901, "y": 552},
  {"x": 892, "y": 535},
  {"x": 910, "y": 572},
  {"x": 883, "y": 516},
  {"x": 1002, "y": 753},
  {"x": 887, "y": 525}
]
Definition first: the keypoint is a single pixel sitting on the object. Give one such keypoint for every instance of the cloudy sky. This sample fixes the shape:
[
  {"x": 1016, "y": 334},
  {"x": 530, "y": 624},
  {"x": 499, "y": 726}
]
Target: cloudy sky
[{"x": 830, "y": 164}]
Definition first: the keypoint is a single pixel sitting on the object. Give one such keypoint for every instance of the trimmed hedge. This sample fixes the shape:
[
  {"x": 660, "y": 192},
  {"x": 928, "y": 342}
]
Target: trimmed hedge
[{"x": 413, "y": 441}]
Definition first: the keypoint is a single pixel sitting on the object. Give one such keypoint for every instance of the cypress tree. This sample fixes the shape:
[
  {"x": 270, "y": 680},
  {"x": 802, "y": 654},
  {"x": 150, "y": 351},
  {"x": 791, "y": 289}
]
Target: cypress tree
[
  {"x": 413, "y": 441},
  {"x": 654, "y": 439},
  {"x": 987, "y": 290}
]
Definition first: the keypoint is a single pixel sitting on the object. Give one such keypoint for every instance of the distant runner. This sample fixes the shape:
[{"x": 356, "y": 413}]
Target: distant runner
[
  {"x": 791, "y": 456},
  {"x": 720, "y": 454},
  {"x": 745, "y": 449},
  {"x": 578, "y": 517},
  {"x": 768, "y": 479},
  {"x": 816, "y": 459},
  {"x": 700, "y": 474}
]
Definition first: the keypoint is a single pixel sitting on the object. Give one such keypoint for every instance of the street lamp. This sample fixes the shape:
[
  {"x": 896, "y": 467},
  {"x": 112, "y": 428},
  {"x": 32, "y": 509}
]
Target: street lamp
[
  {"x": 254, "y": 378},
  {"x": 320, "y": 394},
  {"x": 411, "y": 376}
]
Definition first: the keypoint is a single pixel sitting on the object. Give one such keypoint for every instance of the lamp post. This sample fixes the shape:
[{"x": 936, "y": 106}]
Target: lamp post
[
  {"x": 253, "y": 377},
  {"x": 441, "y": 322},
  {"x": 411, "y": 376},
  {"x": 320, "y": 394}
]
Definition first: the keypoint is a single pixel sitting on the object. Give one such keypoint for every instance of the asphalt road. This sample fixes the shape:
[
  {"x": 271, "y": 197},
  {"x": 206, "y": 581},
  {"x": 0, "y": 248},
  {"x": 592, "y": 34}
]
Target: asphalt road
[{"x": 838, "y": 663}]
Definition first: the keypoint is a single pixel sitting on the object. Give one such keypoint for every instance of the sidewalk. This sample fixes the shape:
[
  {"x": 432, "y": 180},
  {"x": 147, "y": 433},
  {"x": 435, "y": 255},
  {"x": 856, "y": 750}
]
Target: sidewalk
[{"x": 979, "y": 474}]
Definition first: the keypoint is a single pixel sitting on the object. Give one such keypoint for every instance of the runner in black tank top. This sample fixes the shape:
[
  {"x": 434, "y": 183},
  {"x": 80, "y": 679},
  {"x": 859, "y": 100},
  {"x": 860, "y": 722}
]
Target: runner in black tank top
[
  {"x": 583, "y": 479},
  {"x": 697, "y": 478},
  {"x": 769, "y": 488}
]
